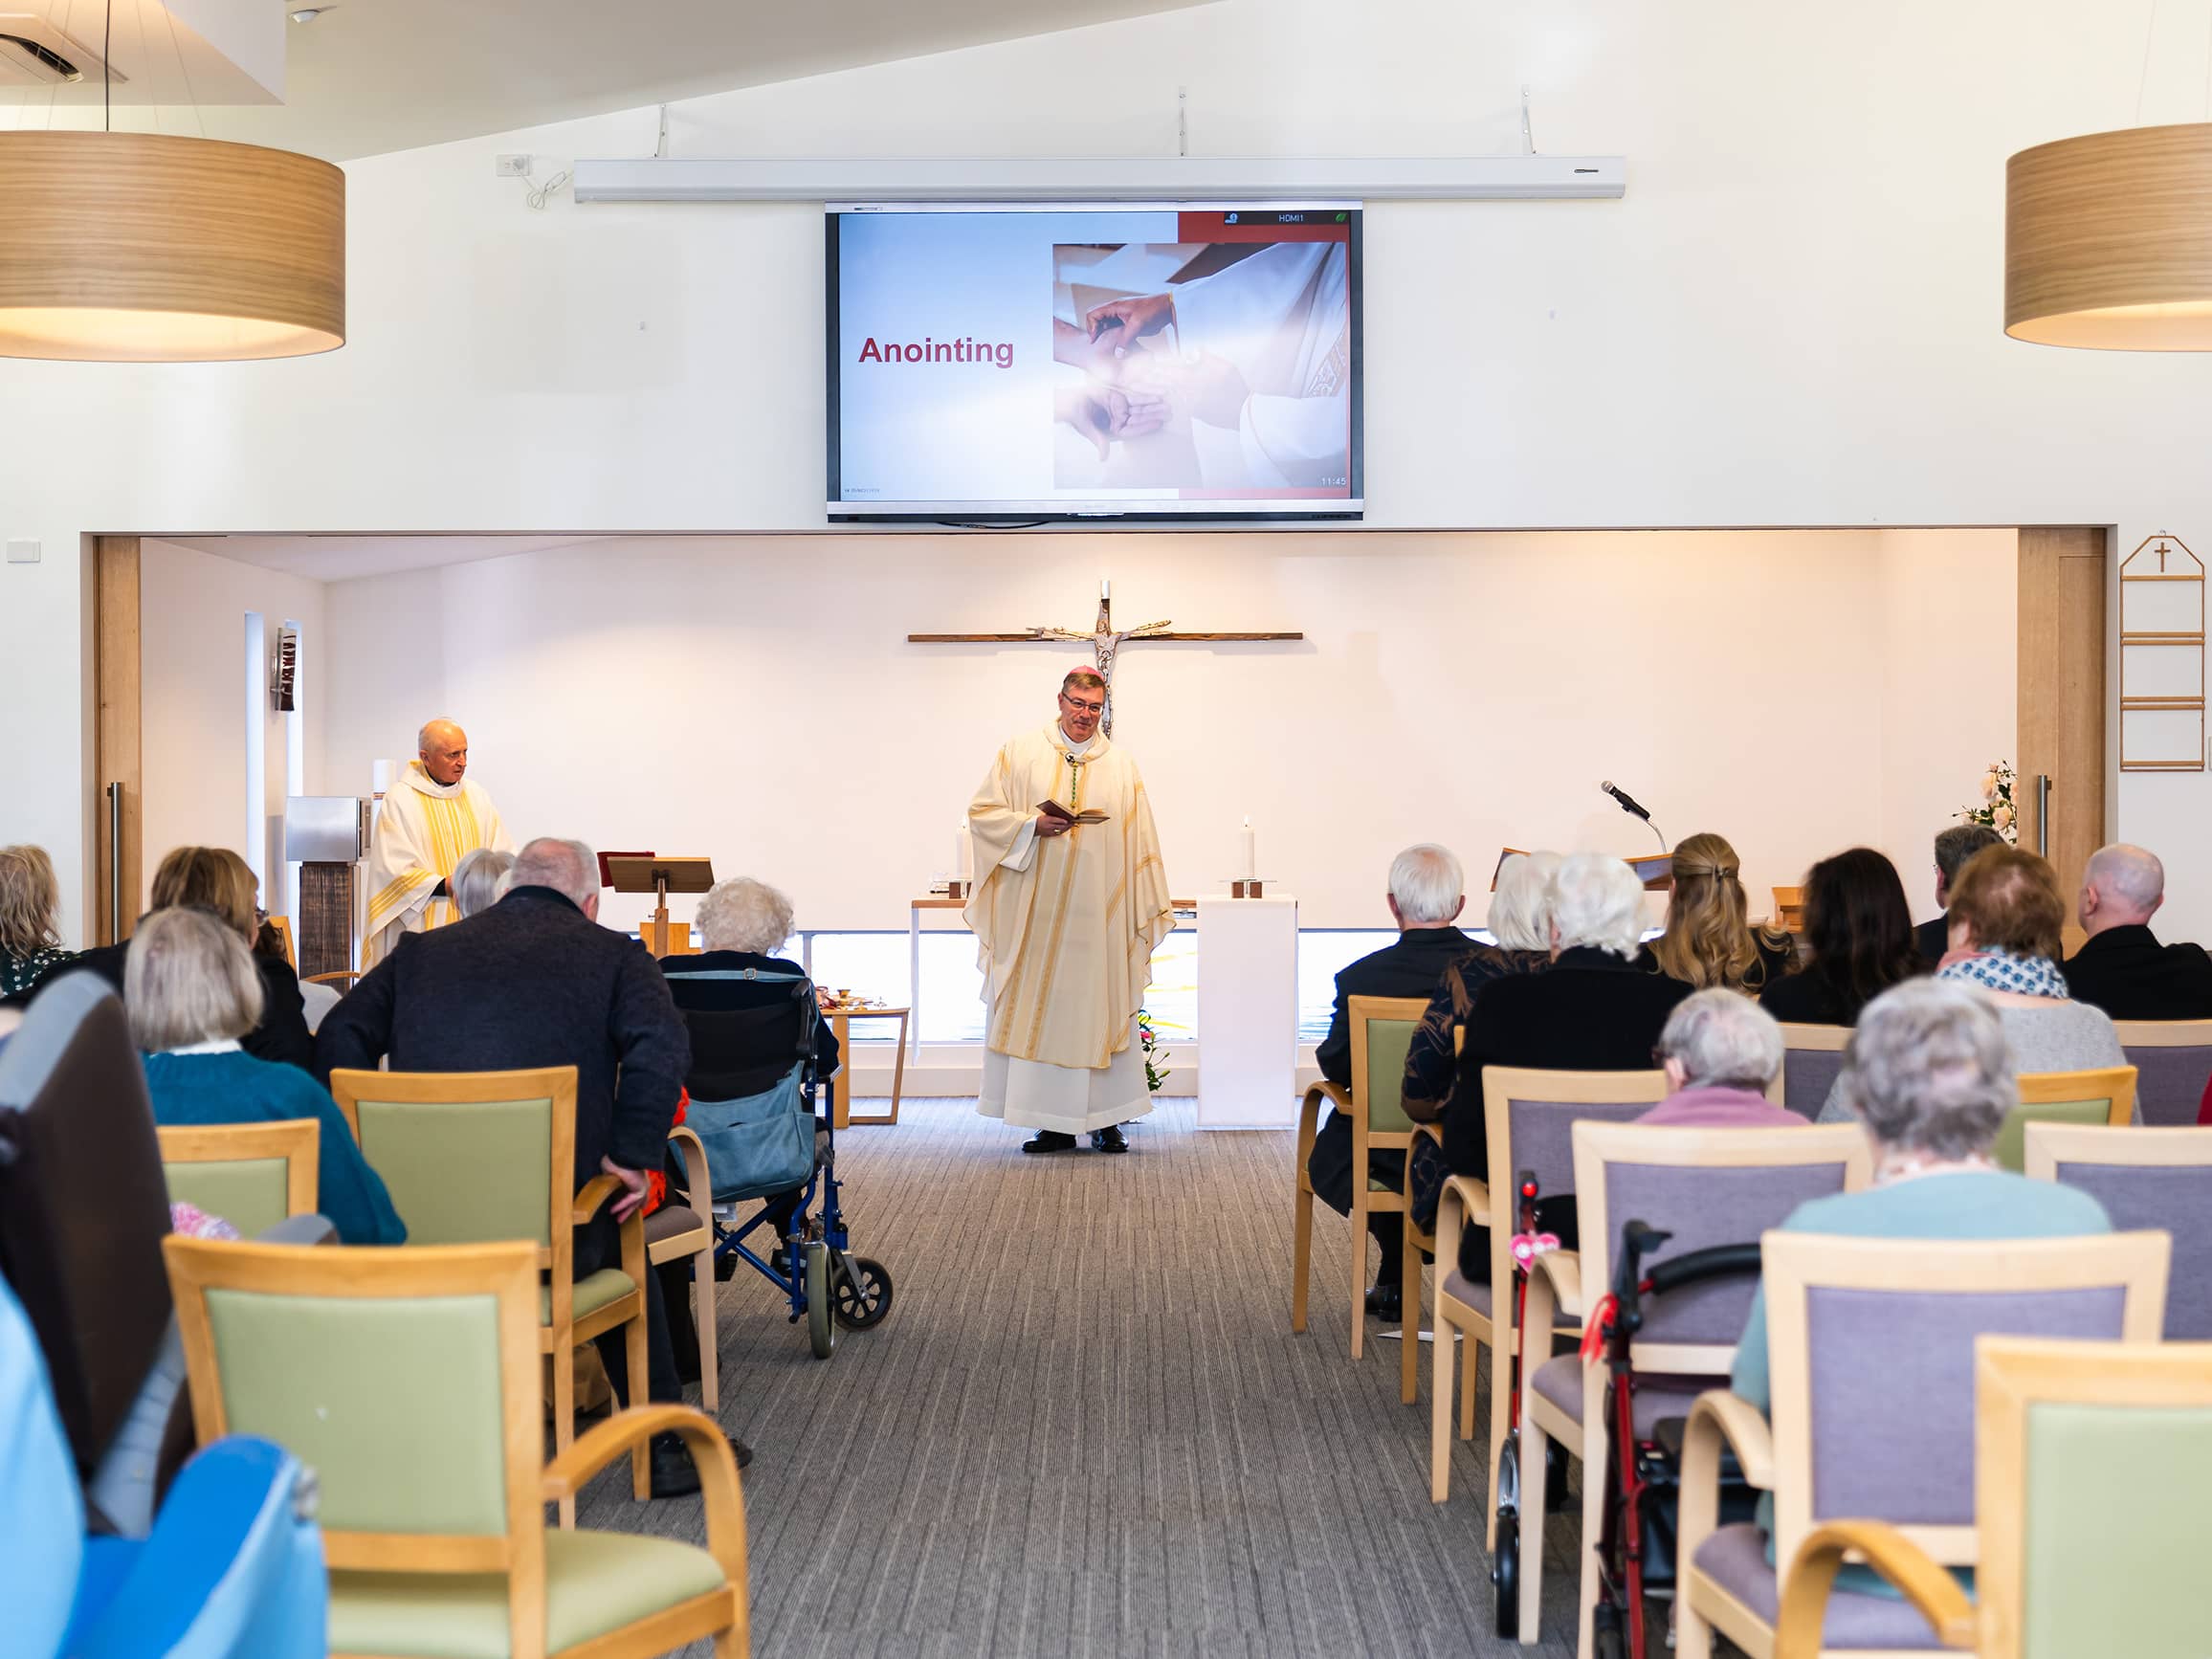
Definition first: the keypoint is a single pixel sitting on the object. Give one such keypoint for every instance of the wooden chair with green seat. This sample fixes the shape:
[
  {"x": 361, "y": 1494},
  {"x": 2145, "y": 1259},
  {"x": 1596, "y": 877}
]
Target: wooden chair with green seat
[
  {"x": 253, "y": 1175},
  {"x": 2103, "y": 1096},
  {"x": 471, "y": 1157},
  {"x": 407, "y": 1379},
  {"x": 674, "y": 1230},
  {"x": 2089, "y": 1460},
  {"x": 1382, "y": 1032}
]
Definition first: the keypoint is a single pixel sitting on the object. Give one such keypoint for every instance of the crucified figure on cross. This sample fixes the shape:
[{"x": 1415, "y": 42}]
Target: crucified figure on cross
[{"x": 1103, "y": 640}]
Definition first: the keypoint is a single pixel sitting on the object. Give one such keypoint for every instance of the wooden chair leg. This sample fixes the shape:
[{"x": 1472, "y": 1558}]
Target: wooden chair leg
[
  {"x": 1302, "y": 1251},
  {"x": 640, "y": 1454},
  {"x": 1358, "y": 1254},
  {"x": 1530, "y": 1520},
  {"x": 1501, "y": 1339},
  {"x": 563, "y": 1369},
  {"x": 1440, "y": 1408},
  {"x": 1410, "y": 1309},
  {"x": 703, "y": 1318},
  {"x": 1467, "y": 1380},
  {"x": 1594, "y": 1445}
]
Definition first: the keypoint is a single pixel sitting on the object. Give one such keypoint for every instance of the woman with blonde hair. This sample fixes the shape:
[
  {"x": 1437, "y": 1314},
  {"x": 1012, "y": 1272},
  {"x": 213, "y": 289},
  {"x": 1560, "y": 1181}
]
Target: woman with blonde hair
[
  {"x": 29, "y": 919},
  {"x": 1709, "y": 939},
  {"x": 218, "y": 881}
]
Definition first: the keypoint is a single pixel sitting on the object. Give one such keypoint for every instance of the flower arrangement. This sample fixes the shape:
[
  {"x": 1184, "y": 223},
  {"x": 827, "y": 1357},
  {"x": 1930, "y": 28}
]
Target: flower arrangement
[
  {"x": 1148, "y": 1038},
  {"x": 1995, "y": 810}
]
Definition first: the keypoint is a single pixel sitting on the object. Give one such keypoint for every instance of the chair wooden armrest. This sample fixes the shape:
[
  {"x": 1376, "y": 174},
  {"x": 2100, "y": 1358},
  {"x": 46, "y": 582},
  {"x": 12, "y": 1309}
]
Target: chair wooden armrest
[
  {"x": 592, "y": 1197},
  {"x": 1717, "y": 1417},
  {"x": 1309, "y": 1119},
  {"x": 710, "y": 1451},
  {"x": 697, "y": 1179},
  {"x": 1561, "y": 1271},
  {"x": 1922, "y": 1582},
  {"x": 1472, "y": 1196},
  {"x": 1431, "y": 1131}
]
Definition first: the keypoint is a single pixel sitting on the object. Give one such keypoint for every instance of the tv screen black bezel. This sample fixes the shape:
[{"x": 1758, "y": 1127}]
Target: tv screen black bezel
[{"x": 959, "y": 515}]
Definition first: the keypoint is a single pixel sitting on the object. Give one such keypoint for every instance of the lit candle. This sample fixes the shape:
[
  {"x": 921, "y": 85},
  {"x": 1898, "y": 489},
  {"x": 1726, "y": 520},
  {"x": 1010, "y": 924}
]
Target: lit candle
[
  {"x": 1252, "y": 853},
  {"x": 964, "y": 854}
]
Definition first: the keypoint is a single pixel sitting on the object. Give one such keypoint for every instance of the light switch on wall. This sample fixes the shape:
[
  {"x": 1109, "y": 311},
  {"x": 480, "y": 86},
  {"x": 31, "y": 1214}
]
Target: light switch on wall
[{"x": 23, "y": 552}]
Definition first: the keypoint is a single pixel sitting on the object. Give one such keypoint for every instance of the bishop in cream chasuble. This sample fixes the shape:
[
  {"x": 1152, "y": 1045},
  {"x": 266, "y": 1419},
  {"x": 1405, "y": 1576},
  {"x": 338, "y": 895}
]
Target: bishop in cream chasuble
[
  {"x": 1065, "y": 916},
  {"x": 431, "y": 819}
]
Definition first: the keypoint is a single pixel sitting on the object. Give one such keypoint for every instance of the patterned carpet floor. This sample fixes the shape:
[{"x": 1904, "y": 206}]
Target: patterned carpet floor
[{"x": 1086, "y": 1427}]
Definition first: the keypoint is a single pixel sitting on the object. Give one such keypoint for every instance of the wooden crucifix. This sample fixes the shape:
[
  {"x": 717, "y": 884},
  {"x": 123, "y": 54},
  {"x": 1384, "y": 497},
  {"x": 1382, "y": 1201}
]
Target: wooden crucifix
[{"x": 1103, "y": 640}]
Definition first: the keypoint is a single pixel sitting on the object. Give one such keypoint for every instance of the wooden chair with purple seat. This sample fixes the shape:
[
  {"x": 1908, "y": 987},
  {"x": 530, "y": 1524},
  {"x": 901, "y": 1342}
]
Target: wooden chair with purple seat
[
  {"x": 1704, "y": 1187},
  {"x": 2091, "y": 1460},
  {"x": 2173, "y": 1060},
  {"x": 1870, "y": 1344},
  {"x": 1528, "y": 1118},
  {"x": 471, "y": 1157},
  {"x": 2145, "y": 1178}
]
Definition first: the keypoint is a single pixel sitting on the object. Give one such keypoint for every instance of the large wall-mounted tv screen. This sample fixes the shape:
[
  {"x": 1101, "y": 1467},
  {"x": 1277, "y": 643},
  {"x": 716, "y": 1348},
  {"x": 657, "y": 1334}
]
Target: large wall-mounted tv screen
[{"x": 1014, "y": 363}]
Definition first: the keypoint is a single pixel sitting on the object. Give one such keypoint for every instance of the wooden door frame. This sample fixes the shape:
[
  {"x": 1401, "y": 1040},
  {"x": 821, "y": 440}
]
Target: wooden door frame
[
  {"x": 117, "y": 740},
  {"x": 2055, "y": 730}
]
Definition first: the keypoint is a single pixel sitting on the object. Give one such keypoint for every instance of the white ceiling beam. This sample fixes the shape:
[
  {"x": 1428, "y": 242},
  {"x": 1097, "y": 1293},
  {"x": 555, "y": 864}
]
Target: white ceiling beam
[{"x": 1103, "y": 179}]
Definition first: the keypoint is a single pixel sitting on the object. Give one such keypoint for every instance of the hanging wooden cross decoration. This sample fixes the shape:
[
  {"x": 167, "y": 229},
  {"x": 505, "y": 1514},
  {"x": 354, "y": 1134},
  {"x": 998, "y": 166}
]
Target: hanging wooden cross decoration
[{"x": 1103, "y": 640}]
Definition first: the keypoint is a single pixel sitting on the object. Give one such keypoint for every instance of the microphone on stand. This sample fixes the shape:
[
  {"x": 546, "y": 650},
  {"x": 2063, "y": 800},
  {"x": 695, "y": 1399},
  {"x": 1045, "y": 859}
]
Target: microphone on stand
[{"x": 1629, "y": 804}]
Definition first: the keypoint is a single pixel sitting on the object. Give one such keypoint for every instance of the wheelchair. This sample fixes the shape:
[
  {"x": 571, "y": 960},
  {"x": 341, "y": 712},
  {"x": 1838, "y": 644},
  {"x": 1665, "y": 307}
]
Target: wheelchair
[{"x": 807, "y": 1252}]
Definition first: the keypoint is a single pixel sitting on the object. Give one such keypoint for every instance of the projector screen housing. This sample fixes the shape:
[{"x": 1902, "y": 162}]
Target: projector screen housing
[{"x": 1003, "y": 364}]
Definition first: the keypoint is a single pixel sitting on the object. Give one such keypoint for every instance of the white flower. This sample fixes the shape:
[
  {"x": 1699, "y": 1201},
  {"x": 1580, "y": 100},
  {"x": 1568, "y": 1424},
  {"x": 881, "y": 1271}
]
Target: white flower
[
  {"x": 1989, "y": 786},
  {"x": 2001, "y": 817}
]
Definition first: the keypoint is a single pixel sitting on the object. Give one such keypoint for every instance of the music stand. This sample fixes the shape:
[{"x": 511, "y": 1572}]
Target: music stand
[{"x": 660, "y": 876}]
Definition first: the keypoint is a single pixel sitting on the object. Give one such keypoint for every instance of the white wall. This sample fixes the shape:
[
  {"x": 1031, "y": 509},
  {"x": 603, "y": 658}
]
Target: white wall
[
  {"x": 193, "y": 609},
  {"x": 1792, "y": 319},
  {"x": 754, "y": 698}
]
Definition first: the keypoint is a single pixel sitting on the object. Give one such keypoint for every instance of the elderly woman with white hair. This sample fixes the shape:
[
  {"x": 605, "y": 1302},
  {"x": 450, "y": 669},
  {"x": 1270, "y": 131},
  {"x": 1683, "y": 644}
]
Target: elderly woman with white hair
[
  {"x": 1521, "y": 922},
  {"x": 1594, "y": 1010},
  {"x": 480, "y": 879},
  {"x": 1721, "y": 1052},
  {"x": 1928, "y": 1072}
]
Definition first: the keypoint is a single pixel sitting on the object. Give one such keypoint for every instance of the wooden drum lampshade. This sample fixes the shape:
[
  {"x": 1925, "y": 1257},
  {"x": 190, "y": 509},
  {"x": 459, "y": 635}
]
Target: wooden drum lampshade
[
  {"x": 2108, "y": 241},
  {"x": 136, "y": 247}
]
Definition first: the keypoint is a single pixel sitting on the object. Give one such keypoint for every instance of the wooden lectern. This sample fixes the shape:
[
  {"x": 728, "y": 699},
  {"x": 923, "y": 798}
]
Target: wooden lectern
[
  {"x": 1654, "y": 869},
  {"x": 650, "y": 872}
]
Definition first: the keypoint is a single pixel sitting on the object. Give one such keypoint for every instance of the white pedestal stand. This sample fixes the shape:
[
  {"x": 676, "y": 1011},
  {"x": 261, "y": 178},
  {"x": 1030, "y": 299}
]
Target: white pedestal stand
[{"x": 1247, "y": 1012}]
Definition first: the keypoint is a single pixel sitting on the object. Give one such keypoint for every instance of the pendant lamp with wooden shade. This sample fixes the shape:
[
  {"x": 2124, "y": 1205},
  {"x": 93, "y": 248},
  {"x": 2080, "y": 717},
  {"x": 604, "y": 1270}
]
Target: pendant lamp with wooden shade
[
  {"x": 128, "y": 247},
  {"x": 2108, "y": 240}
]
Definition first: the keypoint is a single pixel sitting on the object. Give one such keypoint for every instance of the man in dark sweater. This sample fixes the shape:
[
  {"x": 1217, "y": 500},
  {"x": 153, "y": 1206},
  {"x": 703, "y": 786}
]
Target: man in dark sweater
[
  {"x": 1954, "y": 847},
  {"x": 1427, "y": 892},
  {"x": 535, "y": 980},
  {"x": 2121, "y": 967}
]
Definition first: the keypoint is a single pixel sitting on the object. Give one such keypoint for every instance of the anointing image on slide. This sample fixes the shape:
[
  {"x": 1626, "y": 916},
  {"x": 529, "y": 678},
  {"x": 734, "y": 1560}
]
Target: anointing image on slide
[{"x": 1202, "y": 368}]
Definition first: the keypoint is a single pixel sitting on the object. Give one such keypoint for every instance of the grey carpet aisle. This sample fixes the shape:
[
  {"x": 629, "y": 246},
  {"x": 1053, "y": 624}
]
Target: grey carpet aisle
[{"x": 1086, "y": 1427}]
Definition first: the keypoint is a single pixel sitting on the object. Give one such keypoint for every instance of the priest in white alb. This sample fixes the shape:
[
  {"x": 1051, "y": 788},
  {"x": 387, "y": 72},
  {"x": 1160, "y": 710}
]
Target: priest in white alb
[
  {"x": 432, "y": 818},
  {"x": 1065, "y": 911}
]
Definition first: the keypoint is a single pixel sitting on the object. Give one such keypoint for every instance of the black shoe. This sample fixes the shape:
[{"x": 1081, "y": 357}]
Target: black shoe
[
  {"x": 1050, "y": 1140},
  {"x": 1108, "y": 1140},
  {"x": 1385, "y": 1302},
  {"x": 675, "y": 1475}
]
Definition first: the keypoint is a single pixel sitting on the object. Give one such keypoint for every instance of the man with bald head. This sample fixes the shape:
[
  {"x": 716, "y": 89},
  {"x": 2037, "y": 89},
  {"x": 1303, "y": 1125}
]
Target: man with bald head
[
  {"x": 431, "y": 819},
  {"x": 2121, "y": 967}
]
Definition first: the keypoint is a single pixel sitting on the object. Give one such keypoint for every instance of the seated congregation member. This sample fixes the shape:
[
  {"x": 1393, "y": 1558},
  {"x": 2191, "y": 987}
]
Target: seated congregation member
[
  {"x": 192, "y": 990},
  {"x": 2121, "y": 967},
  {"x": 1929, "y": 1074},
  {"x": 29, "y": 919},
  {"x": 743, "y": 923},
  {"x": 1721, "y": 1052},
  {"x": 1594, "y": 1010},
  {"x": 1860, "y": 938},
  {"x": 216, "y": 879},
  {"x": 1954, "y": 847},
  {"x": 1520, "y": 921},
  {"x": 478, "y": 879},
  {"x": 535, "y": 980},
  {"x": 1708, "y": 940},
  {"x": 1427, "y": 891},
  {"x": 2006, "y": 915}
]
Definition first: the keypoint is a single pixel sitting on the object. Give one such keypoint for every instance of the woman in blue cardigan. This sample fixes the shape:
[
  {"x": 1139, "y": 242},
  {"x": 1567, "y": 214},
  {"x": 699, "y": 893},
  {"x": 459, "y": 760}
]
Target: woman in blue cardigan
[{"x": 193, "y": 991}]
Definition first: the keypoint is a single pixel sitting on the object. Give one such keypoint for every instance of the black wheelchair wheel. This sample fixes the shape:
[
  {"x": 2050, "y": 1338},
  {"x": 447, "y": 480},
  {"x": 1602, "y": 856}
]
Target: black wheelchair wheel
[
  {"x": 1610, "y": 1644},
  {"x": 821, "y": 1320},
  {"x": 862, "y": 1295},
  {"x": 1505, "y": 1576}
]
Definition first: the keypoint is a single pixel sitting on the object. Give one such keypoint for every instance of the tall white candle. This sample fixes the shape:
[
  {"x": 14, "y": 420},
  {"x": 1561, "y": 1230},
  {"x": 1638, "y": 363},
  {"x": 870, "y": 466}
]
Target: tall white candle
[
  {"x": 380, "y": 775},
  {"x": 1251, "y": 851},
  {"x": 964, "y": 854}
]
